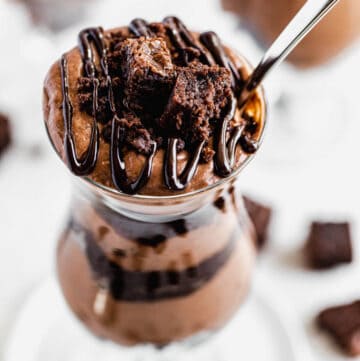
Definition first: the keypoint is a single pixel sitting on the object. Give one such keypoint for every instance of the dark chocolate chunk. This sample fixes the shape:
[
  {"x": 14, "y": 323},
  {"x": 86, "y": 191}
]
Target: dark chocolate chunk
[
  {"x": 260, "y": 215},
  {"x": 179, "y": 226},
  {"x": 5, "y": 132},
  {"x": 153, "y": 241},
  {"x": 343, "y": 323},
  {"x": 220, "y": 204},
  {"x": 200, "y": 94},
  {"x": 117, "y": 252},
  {"x": 329, "y": 244},
  {"x": 148, "y": 75}
]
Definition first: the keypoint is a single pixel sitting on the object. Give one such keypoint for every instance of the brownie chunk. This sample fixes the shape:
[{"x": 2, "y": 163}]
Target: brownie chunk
[
  {"x": 343, "y": 323},
  {"x": 148, "y": 75},
  {"x": 260, "y": 215},
  {"x": 5, "y": 133},
  {"x": 329, "y": 244},
  {"x": 200, "y": 94}
]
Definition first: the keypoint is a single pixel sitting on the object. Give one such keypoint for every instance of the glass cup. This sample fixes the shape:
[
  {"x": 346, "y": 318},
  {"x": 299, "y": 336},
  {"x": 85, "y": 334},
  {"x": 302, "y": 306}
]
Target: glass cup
[{"x": 158, "y": 270}]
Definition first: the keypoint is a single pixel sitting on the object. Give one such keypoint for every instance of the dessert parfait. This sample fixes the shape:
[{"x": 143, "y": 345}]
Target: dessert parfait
[
  {"x": 158, "y": 246},
  {"x": 266, "y": 19}
]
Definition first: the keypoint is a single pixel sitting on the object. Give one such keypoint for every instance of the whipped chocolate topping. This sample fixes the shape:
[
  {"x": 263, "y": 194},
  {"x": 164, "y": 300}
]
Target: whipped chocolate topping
[{"x": 156, "y": 87}]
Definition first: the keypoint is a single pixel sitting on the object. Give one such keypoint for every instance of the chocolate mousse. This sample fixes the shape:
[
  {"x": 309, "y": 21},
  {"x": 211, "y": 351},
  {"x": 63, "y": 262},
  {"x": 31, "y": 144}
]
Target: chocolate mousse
[
  {"x": 151, "y": 108},
  {"x": 266, "y": 19}
]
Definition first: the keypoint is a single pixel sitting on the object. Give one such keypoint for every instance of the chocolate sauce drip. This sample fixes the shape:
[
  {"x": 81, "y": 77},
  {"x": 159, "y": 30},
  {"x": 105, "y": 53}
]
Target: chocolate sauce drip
[
  {"x": 183, "y": 40},
  {"x": 118, "y": 166},
  {"x": 172, "y": 180},
  {"x": 150, "y": 286},
  {"x": 213, "y": 44},
  {"x": 223, "y": 164},
  {"x": 139, "y": 27},
  {"x": 232, "y": 143},
  {"x": 87, "y": 162},
  {"x": 248, "y": 145}
]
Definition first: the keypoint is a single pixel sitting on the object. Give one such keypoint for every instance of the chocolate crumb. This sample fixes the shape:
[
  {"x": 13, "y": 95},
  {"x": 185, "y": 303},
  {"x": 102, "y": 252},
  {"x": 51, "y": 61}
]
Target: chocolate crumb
[
  {"x": 329, "y": 244},
  {"x": 260, "y": 215},
  {"x": 179, "y": 226},
  {"x": 343, "y": 323},
  {"x": 5, "y": 133},
  {"x": 220, "y": 204},
  {"x": 117, "y": 252},
  {"x": 153, "y": 241}
]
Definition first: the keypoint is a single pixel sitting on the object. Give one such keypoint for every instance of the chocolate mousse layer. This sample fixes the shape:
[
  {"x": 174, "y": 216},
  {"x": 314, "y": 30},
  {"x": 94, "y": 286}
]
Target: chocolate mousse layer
[
  {"x": 266, "y": 19},
  {"x": 135, "y": 282},
  {"x": 151, "y": 108}
]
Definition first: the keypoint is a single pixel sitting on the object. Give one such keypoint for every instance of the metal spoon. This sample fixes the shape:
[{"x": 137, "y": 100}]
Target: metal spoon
[{"x": 303, "y": 22}]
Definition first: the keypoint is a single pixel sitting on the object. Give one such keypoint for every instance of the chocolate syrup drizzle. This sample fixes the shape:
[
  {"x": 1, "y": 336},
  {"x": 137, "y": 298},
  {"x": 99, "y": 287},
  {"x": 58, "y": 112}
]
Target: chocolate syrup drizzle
[
  {"x": 139, "y": 27},
  {"x": 172, "y": 180},
  {"x": 186, "y": 45},
  {"x": 183, "y": 40},
  {"x": 117, "y": 163},
  {"x": 87, "y": 162},
  {"x": 213, "y": 44}
]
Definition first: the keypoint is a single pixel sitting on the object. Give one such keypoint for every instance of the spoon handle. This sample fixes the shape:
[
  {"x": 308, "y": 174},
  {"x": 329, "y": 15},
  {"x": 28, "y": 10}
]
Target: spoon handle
[{"x": 303, "y": 22}]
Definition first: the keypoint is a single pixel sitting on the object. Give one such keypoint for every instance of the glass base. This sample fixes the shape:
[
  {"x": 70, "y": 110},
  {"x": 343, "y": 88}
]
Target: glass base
[{"x": 47, "y": 331}]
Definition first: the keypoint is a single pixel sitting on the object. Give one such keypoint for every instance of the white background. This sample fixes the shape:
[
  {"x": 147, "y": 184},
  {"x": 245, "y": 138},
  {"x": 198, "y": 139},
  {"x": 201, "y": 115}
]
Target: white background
[{"x": 300, "y": 184}]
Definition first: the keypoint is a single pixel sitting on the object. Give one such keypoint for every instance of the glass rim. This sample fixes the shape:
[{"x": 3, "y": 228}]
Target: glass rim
[{"x": 180, "y": 196}]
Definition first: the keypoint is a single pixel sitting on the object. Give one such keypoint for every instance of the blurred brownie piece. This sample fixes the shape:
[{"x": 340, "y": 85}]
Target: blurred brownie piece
[
  {"x": 5, "y": 133},
  {"x": 329, "y": 244},
  {"x": 260, "y": 215},
  {"x": 343, "y": 323}
]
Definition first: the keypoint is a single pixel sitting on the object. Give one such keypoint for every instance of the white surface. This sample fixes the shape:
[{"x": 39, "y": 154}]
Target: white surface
[
  {"x": 60, "y": 336},
  {"x": 34, "y": 193}
]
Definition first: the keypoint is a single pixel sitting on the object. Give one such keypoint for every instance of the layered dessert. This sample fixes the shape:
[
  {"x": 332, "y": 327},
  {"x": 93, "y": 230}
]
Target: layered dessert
[
  {"x": 266, "y": 19},
  {"x": 148, "y": 114}
]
